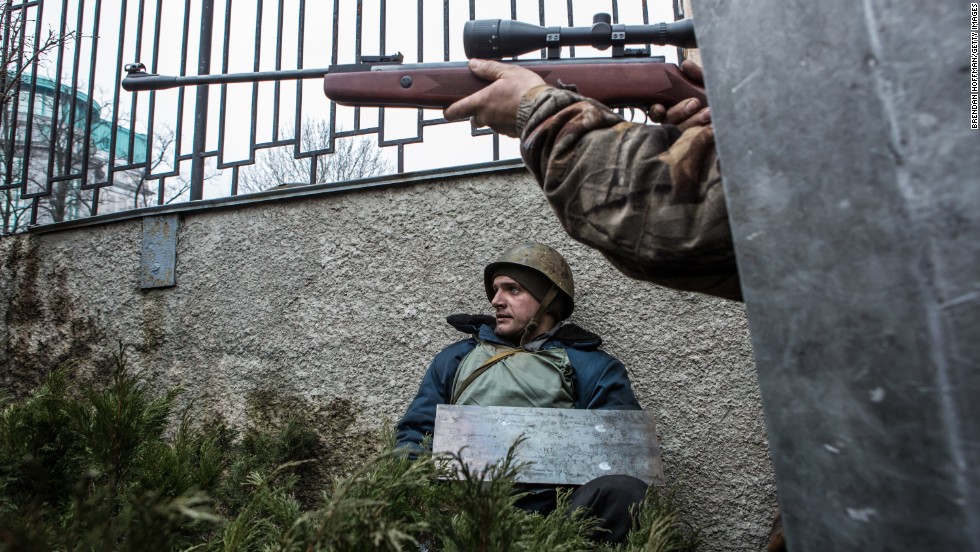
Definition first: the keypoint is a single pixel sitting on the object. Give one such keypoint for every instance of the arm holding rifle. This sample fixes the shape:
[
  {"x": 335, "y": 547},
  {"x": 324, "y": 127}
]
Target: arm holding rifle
[{"x": 648, "y": 197}]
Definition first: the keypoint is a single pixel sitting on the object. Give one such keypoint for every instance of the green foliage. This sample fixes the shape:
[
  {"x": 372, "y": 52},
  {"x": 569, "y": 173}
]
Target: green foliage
[
  {"x": 269, "y": 511},
  {"x": 190, "y": 458},
  {"x": 659, "y": 527},
  {"x": 560, "y": 532},
  {"x": 380, "y": 507},
  {"x": 77, "y": 472},
  {"x": 115, "y": 424},
  {"x": 483, "y": 517},
  {"x": 38, "y": 452},
  {"x": 262, "y": 450},
  {"x": 112, "y": 468}
]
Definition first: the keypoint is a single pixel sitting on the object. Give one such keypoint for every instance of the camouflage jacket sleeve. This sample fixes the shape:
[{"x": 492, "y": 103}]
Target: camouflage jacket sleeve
[{"x": 648, "y": 197}]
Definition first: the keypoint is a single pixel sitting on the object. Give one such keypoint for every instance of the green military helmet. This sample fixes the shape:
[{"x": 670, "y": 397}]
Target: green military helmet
[{"x": 540, "y": 259}]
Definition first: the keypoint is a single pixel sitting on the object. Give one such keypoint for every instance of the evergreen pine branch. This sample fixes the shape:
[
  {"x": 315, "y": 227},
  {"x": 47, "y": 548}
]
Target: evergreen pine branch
[
  {"x": 97, "y": 470},
  {"x": 658, "y": 526}
]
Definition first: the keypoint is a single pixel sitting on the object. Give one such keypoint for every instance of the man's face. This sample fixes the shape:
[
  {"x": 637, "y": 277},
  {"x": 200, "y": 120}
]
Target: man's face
[{"x": 515, "y": 307}]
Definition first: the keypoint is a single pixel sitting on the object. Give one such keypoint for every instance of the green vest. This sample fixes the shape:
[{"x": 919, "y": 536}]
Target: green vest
[{"x": 518, "y": 378}]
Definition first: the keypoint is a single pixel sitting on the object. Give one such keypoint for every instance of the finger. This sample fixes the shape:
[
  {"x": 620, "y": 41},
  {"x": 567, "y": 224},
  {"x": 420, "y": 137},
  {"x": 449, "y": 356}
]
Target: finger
[
  {"x": 693, "y": 71},
  {"x": 467, "y": 107},
  {"x": 462, "y": 109},
  {"x": 705, "y": 116},
  {"x": 657, "y": 113},
  {"x": 702, "y": 118},
  {"x": 682, "y": 111}
]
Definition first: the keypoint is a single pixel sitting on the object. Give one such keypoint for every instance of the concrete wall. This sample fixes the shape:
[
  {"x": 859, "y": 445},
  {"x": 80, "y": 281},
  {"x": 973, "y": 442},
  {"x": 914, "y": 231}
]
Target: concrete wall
[{"x": 336, "y": 302}]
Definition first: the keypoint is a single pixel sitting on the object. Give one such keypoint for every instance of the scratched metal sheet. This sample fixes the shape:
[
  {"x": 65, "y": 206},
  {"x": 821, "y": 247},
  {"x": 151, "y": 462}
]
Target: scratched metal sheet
[
  {"x": 563, "y": 446},
  {"x": 159, "y": 251}
]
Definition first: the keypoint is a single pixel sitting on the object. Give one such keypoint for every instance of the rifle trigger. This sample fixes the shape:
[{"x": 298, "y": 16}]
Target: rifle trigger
[{"x": 569, "y": 87}]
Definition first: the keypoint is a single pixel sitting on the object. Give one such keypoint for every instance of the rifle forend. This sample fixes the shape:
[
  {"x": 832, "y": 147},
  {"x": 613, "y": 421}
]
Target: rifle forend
[{"x": 616, "y": 82}]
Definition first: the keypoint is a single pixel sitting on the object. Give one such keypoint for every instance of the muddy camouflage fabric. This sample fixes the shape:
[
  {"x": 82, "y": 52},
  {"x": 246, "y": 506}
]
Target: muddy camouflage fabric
[{"x": 648, "y": 197}]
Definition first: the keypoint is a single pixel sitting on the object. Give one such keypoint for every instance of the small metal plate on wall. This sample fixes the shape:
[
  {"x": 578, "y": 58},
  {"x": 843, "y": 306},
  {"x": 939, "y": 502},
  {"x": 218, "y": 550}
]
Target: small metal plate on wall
[
  {"x": 564, "y": 446},
  {"x": 159, "y": 253}
]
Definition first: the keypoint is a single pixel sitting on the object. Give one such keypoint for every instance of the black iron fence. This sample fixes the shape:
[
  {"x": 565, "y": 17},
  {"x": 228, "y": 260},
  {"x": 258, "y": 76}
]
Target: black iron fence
[{"x": 73, "y": 144}]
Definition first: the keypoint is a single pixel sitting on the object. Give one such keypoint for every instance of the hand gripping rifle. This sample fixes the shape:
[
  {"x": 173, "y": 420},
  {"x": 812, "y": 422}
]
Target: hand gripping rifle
[{"x": 630, "y": 78}]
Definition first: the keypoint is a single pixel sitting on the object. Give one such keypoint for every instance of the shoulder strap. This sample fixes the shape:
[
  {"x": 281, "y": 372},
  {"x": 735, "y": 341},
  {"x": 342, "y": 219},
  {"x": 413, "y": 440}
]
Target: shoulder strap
[
  {"x": 539, "y": 314},
  {"x": 483, "y": 368}
]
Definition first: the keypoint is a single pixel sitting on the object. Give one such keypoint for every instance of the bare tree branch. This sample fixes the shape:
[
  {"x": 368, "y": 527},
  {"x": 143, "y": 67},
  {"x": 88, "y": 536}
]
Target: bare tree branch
[
  {"x": 14, "y": 39},
  {"x": 353, "y": 158},
  {"x": 20, "y": 51},
  {"x": 144, "y": 187}
]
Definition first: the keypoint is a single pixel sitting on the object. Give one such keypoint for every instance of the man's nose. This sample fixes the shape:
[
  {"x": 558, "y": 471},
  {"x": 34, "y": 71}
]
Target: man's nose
[{"x": 496, "y": 301}]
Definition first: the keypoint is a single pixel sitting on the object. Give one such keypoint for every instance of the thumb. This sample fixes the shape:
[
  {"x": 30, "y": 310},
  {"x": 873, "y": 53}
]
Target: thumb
[{"x": 487, "y": 69}]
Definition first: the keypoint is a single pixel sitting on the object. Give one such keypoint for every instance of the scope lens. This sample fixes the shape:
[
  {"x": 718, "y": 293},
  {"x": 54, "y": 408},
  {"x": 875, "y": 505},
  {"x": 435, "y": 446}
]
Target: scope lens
[{"x": 481, "y": 39}]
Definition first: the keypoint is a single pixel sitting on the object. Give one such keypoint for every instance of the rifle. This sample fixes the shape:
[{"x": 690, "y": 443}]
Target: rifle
[{"x": 630, "y": 78}]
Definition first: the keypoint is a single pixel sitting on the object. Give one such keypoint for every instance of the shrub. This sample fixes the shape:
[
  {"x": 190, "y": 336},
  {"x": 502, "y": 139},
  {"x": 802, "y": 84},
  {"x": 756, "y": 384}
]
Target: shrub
[{"x": 96, "y": 469}]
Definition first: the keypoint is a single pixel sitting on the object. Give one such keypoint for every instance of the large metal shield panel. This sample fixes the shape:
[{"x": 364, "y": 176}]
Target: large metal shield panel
[
  {"x": 561, "y": 446},
  {"x": 853, "y": 183}
]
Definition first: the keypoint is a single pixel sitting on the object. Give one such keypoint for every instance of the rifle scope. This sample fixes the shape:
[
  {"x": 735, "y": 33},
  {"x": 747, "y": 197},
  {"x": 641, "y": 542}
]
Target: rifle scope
[{"x": 500, "y": 38}]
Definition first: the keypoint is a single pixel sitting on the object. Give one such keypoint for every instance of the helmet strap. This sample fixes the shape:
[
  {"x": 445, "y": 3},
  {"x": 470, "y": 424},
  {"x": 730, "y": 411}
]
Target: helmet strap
[{"x": 538, "y": 315}]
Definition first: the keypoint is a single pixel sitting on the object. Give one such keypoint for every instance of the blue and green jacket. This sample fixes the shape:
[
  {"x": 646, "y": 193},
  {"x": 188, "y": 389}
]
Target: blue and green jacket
[{"x": 599, "y": 379}]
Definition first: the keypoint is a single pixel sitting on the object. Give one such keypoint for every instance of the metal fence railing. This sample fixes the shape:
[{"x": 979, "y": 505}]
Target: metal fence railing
[{"x": 74, "y": 144}]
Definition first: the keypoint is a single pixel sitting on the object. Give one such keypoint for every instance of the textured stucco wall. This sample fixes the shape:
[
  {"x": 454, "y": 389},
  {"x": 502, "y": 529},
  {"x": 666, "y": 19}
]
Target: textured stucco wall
[{"x": 338, "y": 302}]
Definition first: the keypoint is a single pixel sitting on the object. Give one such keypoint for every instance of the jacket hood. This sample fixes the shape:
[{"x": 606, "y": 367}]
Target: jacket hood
[{"x": 569, "y": 335}]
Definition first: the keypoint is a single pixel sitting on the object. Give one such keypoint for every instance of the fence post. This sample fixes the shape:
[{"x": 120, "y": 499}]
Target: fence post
[{"x": 201, "y": 106}]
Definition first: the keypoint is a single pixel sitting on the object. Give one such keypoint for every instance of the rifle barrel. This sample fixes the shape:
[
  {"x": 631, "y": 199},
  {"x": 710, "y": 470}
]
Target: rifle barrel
[{"x": 140, "y": 81}]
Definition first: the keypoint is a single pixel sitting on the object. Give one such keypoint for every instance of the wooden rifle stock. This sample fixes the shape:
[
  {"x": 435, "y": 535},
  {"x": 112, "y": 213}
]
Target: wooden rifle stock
[{"x": 616, "y": 82}]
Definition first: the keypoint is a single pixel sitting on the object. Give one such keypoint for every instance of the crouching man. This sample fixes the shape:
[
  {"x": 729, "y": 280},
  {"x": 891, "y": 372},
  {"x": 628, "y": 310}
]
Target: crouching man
[{"x": 525, "y": 356}]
